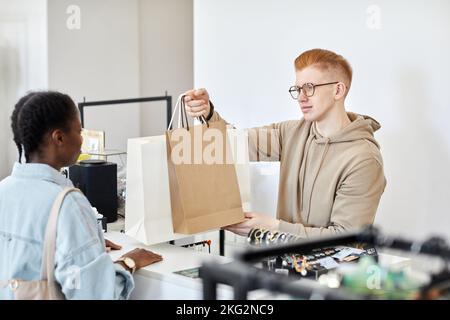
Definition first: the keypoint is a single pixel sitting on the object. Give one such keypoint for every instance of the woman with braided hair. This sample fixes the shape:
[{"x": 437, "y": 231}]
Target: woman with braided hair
[{"x": 47, "y": 133}]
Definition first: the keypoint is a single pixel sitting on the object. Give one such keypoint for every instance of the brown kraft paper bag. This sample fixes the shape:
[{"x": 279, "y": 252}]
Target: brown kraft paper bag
[{"x": 204, "y": 191}]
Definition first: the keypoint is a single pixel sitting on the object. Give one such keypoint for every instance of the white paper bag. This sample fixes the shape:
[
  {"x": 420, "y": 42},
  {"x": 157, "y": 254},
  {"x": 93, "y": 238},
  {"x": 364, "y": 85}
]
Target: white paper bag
[
  {"x": 148, "y": 216},
  {"x": 239, "y": 145}
]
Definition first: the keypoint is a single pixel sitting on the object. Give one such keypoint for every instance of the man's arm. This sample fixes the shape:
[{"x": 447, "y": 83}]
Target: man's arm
[{"x": 264, "y": 143}]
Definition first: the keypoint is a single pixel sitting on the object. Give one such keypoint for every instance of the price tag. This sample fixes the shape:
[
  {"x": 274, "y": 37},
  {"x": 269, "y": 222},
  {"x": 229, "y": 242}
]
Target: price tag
[
  {"x": 328, "y": 263},
  {"x": 347, "y": 251}
]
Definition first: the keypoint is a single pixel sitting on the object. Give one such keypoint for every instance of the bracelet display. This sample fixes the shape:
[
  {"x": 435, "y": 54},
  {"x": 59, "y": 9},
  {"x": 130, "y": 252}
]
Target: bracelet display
[{"x": 261, "y": 236}]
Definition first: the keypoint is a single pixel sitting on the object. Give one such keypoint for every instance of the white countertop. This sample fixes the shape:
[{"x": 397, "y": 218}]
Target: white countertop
[
  {"x": 157, "y": 281},
  {"x": 174, "y": 258}
]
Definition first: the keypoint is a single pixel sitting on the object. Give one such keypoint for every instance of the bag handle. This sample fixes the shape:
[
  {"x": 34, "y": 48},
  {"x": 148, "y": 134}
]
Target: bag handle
[
  {"x": 177, "y": 105},
  {"x": 48, "y": 255},
  {"x": 182, "y": 115}
]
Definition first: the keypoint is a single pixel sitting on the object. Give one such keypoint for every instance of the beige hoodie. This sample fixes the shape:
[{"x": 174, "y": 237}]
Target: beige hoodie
[{"x": 327, "y": 185}]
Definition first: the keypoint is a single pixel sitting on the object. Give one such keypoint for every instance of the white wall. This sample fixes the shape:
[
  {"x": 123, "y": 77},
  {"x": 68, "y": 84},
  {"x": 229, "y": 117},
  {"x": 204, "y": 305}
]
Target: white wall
[
  {"x": 23, "y": 63},
  {"x": 124, "y": 49},
  {"x": 99, "y": 61},
  {"x": 166, "y": 56},
  {"x": 166, "y": 62},
  {"x": 244, "y": 53}
]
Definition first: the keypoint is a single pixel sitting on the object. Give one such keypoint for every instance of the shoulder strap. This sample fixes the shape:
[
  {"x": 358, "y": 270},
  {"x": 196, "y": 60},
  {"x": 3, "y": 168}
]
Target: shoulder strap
[{"x": 48, "y": 256}]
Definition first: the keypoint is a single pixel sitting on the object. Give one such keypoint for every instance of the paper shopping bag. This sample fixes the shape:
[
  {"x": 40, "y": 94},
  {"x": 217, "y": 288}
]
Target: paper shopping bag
[
  {"x": 239, "y": 146},
  {"x": 204, "y": 189},
  {"x": 148, "y": 216}
]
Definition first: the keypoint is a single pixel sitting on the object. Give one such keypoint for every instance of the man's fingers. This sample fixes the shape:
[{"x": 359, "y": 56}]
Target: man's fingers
[
  {"x": 196, "y": 103},
  {"x": 241, "y": 228},
  {"x": 194, "y": 93},
  {"x": 249, "y": 214},
  {"x": 197, "y": 114},
  {"x": 237, "y": 225},
  {"x": 197, "y": 109},
  {"x": 239, "y": 231},
  {"x": 230, "y": 228},
  {"x": 189, "y": 93},
  {"x": 247, "y": 223},
  {"x": 200, "y": 91}
]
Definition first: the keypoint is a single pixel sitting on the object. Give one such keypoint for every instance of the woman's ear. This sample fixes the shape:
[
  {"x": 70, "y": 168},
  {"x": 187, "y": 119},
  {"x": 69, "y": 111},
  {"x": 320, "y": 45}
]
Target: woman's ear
[{"x": 57, "y": 137}]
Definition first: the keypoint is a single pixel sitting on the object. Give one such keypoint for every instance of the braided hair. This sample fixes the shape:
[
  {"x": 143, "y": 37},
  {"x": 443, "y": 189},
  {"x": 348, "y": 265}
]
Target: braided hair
[{"x": 37, "y": 113}]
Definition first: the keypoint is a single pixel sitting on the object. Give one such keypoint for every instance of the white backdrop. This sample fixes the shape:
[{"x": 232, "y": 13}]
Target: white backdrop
[
  {"x": 23, "y": 64},
  {"x": 99, "y": 61},
  {"x": 123, "y": 49},
  {"x": 244, "y": 53}
]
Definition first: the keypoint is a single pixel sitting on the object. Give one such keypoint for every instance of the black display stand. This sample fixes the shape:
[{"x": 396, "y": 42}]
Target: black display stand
[{"x": 168, "y": 99}]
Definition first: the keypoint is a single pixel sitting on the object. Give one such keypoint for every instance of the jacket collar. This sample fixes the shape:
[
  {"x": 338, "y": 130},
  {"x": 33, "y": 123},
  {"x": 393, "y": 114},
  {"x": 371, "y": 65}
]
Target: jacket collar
[{"x": 40, "y": 171}]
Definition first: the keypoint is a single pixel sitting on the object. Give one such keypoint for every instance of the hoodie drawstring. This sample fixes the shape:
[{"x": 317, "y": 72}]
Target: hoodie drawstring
[
  {"x": 324, "y": 153},
  {"x": 361, "y": 128},
  {"x": 303, "y": 170}
]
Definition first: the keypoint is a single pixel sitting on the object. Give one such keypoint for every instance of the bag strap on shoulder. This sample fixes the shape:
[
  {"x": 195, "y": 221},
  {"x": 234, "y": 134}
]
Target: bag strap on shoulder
[{"x": 49, "y": 246}]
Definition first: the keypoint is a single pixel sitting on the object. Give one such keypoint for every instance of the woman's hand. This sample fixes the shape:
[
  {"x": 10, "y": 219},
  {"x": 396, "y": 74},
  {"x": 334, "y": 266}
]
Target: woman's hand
[
  {"x": 143, "y": 257},
  {"x": 197, "y": 103},
  {"x": 111, "y": 246},
  {"x": 253, "y": 220}
]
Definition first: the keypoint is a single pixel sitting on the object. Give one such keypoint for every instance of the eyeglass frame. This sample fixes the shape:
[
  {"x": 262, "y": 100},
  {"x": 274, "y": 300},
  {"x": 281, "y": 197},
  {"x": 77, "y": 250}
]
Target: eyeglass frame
[{"x": 298, "y": 89}]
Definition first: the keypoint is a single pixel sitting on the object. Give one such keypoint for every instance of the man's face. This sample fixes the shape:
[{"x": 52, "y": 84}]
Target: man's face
[{"x": 316, "y": 108}]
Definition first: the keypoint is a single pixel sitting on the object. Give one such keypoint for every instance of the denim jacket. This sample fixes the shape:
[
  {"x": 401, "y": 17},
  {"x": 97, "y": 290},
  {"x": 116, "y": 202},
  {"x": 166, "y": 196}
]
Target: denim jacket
[{"x": 83, "y": 269}]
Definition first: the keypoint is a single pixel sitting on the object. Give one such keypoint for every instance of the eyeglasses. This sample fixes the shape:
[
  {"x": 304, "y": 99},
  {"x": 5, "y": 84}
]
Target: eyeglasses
[{"x": 308, "y": 89}]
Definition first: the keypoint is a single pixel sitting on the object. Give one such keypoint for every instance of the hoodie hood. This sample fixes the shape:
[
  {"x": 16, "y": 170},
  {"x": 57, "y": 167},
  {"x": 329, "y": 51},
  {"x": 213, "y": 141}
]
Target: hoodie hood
[{"x": 361, "y": 127}]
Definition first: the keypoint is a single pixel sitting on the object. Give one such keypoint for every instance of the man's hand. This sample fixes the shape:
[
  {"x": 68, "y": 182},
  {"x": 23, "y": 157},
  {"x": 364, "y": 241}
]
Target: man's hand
[
  {"x": 253, "y": 220},
  {"x": 197, "y": 103}
]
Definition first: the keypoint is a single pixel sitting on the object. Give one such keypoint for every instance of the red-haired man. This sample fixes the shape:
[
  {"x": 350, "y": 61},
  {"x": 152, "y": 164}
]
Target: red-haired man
[{"x": 331, "y": 174}]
